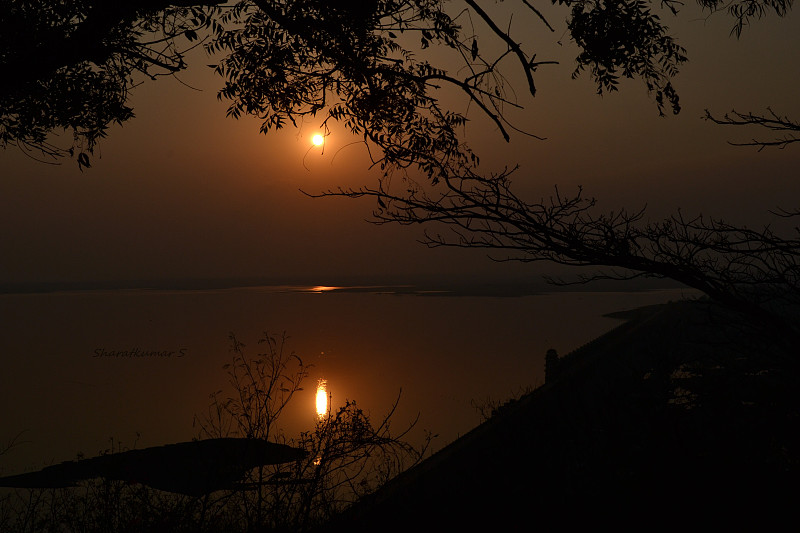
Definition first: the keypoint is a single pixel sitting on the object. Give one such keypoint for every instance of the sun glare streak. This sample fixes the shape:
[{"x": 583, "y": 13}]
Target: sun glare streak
[
  {"x": 322, "y": 288},
  {"x": 322, "y": 397}
]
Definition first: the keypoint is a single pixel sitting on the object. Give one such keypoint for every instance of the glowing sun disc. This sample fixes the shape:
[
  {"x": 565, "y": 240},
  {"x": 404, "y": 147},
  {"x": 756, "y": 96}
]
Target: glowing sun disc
[{"x": 317, "y": 140}]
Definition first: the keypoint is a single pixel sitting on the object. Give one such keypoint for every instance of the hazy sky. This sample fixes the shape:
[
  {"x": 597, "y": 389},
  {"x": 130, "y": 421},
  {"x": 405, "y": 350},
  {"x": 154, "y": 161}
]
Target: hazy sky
[{"x": 182, "y": 192}]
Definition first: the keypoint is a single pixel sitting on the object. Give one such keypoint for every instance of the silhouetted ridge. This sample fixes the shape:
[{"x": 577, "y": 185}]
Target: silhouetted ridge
[
  {"x": 192, "y": 468},
  {"x": 683, "y": 411}
]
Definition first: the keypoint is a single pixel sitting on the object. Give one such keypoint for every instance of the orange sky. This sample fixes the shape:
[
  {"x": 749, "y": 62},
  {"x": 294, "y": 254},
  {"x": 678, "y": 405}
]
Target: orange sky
[{"x": 182, "y": 192}]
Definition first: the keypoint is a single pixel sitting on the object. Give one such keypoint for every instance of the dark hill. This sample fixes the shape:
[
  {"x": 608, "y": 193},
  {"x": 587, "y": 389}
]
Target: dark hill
[
  {"x": 193, "y": 468},
  {"x": 682, "y": 414}
]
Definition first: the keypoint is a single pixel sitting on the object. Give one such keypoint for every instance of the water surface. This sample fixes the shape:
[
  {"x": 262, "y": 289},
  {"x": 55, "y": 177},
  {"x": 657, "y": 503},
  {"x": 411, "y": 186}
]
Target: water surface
[{"x": 80, "y": 367}]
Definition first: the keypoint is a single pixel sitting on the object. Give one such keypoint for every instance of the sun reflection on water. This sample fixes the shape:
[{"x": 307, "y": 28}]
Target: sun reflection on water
[
  {"x": 322, "y": 397},
  {"x": 322, "y": 288}
]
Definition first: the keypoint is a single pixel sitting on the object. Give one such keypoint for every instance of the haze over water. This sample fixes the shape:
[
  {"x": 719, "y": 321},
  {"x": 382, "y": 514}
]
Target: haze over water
[{"x": 80, "y": 367}]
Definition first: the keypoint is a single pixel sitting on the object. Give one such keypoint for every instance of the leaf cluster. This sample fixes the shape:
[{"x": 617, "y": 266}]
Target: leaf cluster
[
  {"x": 744, "y": 11},
  {"x": 290, "y": 60},
  {"x": 70, "y": 66},
  {"x": 625, "y": 38}
]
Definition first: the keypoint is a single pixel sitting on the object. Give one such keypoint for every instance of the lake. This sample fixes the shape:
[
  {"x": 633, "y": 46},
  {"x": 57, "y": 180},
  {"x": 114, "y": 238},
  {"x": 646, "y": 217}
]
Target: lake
[{"x": 81, "y": 367}]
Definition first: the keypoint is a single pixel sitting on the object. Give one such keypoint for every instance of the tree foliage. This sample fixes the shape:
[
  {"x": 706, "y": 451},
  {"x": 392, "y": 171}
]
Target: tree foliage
[
  {"x": 745, "y": 11},
  {"x": 626, "y": 38},
  {"x": 68, "y": 65},
  {"x": 366, "y": 64},
  {"x": 72, "y": 64}
]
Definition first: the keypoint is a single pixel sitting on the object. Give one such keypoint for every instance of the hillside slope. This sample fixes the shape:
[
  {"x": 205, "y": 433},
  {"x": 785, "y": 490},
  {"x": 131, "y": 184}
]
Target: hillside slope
[{"x": 683, "y": 411}]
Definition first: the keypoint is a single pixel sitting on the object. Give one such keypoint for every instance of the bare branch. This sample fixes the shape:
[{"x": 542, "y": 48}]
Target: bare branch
[
  {"x": 754, "y": 271},
  {"x": 770, "y": 121}
]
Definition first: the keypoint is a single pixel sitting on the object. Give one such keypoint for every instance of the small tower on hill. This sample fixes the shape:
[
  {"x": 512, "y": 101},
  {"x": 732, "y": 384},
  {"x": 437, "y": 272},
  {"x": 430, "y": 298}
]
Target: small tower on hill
[{"x": 551, "y": 365}]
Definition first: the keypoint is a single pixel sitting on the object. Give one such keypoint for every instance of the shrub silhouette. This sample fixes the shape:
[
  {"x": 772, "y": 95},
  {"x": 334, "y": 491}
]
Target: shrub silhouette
[{"x": 347, "y": 456}]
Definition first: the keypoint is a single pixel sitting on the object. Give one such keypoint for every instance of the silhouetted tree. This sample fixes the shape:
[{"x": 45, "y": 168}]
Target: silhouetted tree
[
  {"x": 755, "y": 271},
  {"x": 69, "y": 65},
  {"x": 349, "y": 455}
]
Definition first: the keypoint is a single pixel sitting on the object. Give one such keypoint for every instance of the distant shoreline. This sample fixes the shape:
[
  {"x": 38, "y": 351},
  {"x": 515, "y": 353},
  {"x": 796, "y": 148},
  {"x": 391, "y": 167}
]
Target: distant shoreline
[{"x": 437, "y": 288}]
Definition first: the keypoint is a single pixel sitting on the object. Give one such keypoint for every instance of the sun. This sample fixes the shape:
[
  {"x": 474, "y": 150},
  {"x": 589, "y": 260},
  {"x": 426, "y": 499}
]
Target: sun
[{"x": 317, "y": 140}]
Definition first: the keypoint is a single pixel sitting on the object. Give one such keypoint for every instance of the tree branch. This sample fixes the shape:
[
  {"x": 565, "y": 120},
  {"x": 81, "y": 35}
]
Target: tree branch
[{"x": 770, "y": 121}]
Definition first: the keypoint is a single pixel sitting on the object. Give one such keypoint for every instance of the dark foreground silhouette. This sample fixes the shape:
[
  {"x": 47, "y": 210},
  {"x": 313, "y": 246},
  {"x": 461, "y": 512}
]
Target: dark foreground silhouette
[
  {"x": 192, "y": 468},
  {"x": 686, "y": 415}
]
